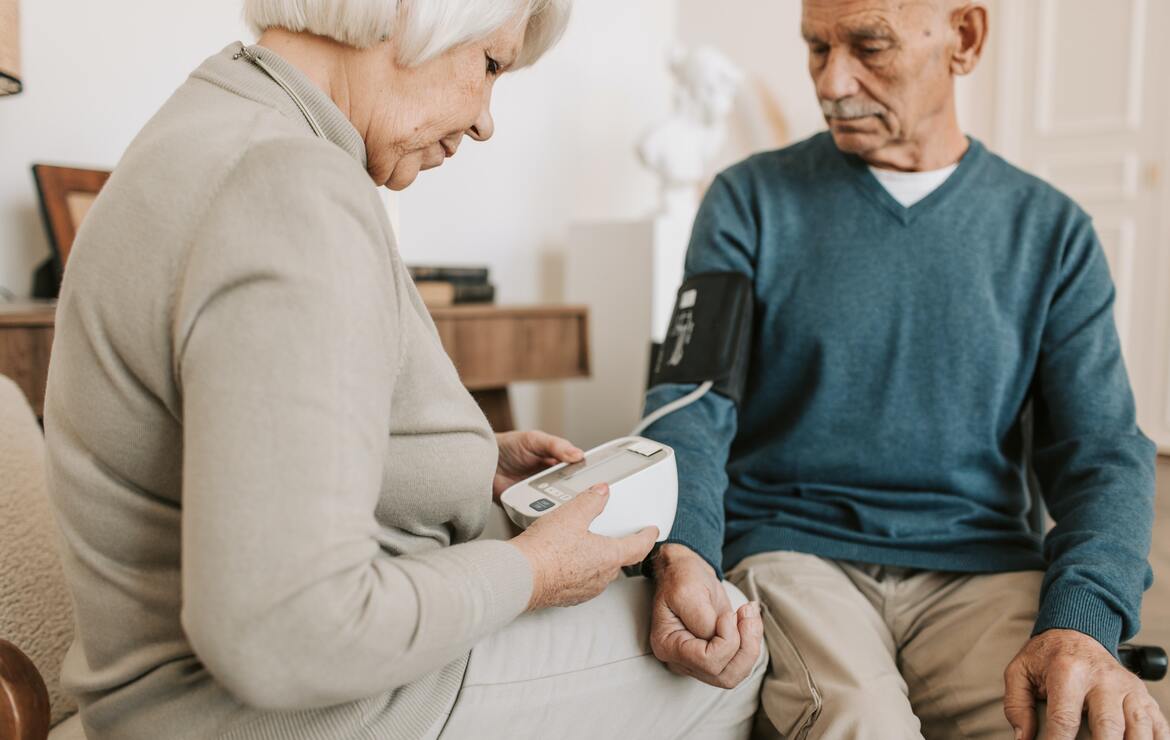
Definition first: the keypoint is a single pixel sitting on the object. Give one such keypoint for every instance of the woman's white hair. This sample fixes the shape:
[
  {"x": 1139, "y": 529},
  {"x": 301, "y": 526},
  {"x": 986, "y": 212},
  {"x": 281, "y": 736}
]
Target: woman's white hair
[{"x": 424, "y": 29}]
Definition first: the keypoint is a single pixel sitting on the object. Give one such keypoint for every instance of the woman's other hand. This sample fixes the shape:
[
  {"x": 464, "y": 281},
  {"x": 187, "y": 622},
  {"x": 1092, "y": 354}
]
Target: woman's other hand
[
  {"x": 570, "y": 564},
  {"x": 524, "y": 454}
]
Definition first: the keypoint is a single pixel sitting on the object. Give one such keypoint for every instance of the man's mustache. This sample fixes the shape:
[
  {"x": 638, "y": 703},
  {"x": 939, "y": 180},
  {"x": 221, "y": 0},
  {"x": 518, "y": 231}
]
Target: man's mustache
[{"x": 847, "y": 108}]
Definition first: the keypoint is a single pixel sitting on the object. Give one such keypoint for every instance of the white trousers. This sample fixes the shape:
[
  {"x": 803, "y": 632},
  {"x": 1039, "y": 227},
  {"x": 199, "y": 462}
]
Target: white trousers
[{"x": 587, "y": 672}]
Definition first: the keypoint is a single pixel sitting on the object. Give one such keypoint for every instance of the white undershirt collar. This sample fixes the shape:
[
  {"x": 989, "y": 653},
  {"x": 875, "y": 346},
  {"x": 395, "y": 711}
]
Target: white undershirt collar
[{"x": 910, "y": 187}]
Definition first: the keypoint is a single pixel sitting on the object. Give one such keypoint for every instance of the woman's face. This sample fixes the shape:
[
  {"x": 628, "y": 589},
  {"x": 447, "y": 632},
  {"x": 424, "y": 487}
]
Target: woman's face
[{"x": 430, "y": 107}]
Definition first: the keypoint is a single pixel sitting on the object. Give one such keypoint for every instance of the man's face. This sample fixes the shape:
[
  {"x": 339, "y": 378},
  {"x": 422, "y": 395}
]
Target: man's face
[{"x": 881, "y": 68}]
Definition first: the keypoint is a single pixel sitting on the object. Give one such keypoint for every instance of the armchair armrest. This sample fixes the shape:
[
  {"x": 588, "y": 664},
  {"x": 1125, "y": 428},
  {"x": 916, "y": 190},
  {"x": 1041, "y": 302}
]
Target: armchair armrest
[
  {"x": 1147, "y": 661},
  {"x": 24, "y": 700}
]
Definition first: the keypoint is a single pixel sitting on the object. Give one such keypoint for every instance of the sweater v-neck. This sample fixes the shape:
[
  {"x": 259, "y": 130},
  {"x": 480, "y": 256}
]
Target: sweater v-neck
[{"x": 857, "y": 171}]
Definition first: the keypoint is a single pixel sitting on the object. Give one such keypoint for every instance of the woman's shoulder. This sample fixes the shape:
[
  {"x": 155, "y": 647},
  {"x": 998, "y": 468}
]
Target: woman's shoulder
[
  {"x": 206, "y": 133},
  {"x": 215, "y": 150},
  {"x": 216, "y": 189},
  {"x": 214, "y": 166}
]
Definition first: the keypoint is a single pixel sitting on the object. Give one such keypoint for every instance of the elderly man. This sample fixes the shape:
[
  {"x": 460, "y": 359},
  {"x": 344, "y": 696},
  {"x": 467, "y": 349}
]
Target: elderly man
[{"x": 914, "y": 293}]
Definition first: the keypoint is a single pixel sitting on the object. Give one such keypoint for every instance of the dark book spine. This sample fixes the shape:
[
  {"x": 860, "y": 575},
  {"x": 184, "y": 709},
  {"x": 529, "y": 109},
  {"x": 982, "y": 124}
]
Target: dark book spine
[
  {"x": 467, "y": 275},
  {"x": 466, "y": 293}
]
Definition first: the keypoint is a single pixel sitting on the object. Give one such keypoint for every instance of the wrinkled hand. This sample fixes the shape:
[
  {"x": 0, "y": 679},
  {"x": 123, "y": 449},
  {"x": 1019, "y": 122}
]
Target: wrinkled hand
[
  {"x": 570, "y": 564},
  {"x": 693, "y": 629},
  {"x": 524, "y": 454},
  {"x": 1076, "y": 676}
]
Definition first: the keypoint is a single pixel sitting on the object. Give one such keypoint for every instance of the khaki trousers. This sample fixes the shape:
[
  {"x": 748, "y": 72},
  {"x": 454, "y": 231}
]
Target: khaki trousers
[
  {"x": 587, "y": 672},
  {"x": 866, "y": 651}
]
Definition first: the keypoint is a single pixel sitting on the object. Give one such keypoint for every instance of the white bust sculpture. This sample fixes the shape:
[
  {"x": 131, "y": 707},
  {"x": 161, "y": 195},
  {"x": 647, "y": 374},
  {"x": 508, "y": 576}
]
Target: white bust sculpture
[{"x": 682, "y": 148}]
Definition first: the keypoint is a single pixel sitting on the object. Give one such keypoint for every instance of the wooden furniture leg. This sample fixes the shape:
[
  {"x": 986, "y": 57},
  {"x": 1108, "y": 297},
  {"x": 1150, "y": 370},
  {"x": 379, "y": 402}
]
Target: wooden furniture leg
[
  {"x": 24, "y": 700},
  {"x": 496, "y": 407}
]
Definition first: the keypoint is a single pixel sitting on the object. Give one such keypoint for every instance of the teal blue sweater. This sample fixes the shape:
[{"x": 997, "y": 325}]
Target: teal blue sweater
[{"x": 894, "y": 350}]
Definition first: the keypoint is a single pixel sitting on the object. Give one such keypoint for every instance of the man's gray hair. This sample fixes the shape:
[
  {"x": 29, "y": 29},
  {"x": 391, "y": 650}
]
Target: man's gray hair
[{"x": 424, "y": 29}]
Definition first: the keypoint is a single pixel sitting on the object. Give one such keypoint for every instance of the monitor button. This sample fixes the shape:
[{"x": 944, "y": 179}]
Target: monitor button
[{"x": 645, "y": 448}]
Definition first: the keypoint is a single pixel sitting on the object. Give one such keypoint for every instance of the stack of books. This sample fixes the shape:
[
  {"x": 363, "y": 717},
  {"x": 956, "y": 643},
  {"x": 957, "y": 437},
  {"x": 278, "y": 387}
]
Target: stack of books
[{"x": 451, "y": 286}]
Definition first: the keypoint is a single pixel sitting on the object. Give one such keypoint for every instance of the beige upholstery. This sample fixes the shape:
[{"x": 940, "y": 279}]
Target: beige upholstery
[
  {"x": 35, "y": 611},
  {"x": 70, "y": 729}
]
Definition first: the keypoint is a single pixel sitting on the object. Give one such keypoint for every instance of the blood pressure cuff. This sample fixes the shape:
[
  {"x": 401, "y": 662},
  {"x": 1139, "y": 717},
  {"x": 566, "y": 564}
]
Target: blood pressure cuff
[{"x": 710, "y": 334}]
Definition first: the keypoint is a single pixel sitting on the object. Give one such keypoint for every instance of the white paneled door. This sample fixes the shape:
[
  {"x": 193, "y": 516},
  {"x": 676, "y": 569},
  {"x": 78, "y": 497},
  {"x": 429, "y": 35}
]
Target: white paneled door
[{"x": 1084, "y": 102}]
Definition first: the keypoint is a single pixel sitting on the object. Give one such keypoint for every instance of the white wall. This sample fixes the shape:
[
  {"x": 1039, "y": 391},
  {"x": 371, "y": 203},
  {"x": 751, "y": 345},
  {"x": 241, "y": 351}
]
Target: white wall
[
  {"x": 94, "y": 73},
  {"x": 763, "y": 38},
  {"x": 563, "y": 150}
]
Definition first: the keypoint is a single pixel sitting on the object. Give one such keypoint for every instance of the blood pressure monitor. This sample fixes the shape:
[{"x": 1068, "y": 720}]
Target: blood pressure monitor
[
  {"x": 643, "y": 488},
  {"x": 709, "y": 343}
]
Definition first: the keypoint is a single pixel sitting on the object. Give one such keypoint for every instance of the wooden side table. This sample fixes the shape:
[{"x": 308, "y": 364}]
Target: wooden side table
[
  {"x": 491, "y": 347},
  {"x": 26, "y": 336}
]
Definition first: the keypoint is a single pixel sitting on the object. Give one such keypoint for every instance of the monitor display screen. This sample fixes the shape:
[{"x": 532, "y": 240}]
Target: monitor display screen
[{"x": 608, "y": 470}]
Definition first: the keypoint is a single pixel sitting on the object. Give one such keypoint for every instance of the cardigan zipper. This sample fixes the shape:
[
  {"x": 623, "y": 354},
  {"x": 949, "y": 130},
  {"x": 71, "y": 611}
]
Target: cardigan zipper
[{"x": 252, "y": 57}]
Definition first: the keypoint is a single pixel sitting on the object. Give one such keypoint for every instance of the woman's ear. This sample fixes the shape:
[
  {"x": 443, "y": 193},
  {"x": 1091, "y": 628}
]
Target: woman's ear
[{"x": 969, "y": 22}]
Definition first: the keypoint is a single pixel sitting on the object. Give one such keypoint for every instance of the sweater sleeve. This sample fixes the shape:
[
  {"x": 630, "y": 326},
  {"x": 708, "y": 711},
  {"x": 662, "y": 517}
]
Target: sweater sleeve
[
  {"x": 286, "y": 377},
  {"x": 1095, "y": 466},
  {"x": 723, "y": 240}
]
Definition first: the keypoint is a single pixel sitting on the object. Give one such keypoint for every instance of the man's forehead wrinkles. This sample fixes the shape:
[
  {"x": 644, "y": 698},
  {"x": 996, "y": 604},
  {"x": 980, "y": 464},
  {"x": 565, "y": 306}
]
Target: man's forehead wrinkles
[{"x": 855, "y": 26}]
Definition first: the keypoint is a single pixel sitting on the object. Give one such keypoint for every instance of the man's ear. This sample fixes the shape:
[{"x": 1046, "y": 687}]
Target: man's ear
[{"x": 970, "y": 24}]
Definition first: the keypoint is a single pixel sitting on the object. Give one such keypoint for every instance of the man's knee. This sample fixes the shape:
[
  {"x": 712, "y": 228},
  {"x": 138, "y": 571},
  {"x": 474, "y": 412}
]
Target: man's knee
[
  {"x": 841, "y": 712},
  {"x": 861, "y": 712}
]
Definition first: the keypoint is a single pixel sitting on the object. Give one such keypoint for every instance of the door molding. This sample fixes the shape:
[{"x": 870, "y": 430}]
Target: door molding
[{"x": 1127, "y": 121}]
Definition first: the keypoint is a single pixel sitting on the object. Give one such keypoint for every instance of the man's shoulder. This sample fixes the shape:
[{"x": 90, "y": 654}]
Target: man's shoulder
[
  {"x": 782, "y": 167},
  {"x": 1027, "y": 190},
  {"x": 782, "y": 173}
]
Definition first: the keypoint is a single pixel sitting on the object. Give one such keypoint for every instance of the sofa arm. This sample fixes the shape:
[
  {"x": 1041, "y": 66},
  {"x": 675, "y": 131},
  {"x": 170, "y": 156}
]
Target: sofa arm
[{"x": 24, "y": 701}]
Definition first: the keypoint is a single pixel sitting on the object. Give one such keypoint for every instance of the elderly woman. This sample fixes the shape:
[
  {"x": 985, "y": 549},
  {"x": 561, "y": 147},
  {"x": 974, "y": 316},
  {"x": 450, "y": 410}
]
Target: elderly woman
[{"x": 269, "y": 477}]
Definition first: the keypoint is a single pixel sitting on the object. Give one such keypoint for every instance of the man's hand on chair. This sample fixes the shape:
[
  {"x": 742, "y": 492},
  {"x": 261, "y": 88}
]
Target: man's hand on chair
[
  {"x": 693, "y": 629},
  {"x": 1076, "y": 675}
]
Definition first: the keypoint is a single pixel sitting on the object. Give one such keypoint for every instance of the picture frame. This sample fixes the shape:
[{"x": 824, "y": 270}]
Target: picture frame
[{"x": 66, "y": 194}]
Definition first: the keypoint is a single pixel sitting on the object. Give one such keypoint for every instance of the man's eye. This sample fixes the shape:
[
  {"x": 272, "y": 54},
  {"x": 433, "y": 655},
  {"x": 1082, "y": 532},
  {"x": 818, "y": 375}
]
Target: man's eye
[
  {"x": 819, "y": 49},
  {"x": 872, "y": 50},
  {"x": 493, "y": 67}
]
